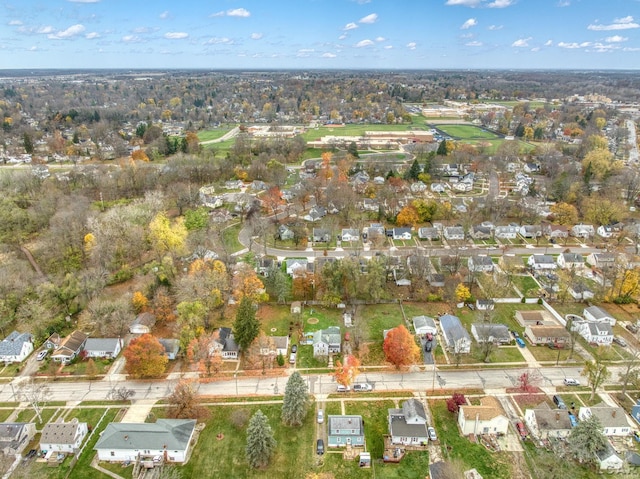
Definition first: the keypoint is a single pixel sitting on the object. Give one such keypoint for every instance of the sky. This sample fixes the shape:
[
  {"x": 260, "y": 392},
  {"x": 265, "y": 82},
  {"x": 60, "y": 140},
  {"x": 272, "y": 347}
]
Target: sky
[{"x": 320, "y": 34}]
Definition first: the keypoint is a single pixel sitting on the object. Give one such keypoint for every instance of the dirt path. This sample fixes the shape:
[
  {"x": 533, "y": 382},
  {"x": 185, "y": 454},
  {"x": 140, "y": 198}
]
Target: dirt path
[{"x": 32, "y": 261}]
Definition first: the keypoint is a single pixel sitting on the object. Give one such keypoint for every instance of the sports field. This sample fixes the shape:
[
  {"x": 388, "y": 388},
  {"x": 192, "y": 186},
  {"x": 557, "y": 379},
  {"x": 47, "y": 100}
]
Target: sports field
[
  {"x": 354, "y": 130},
  {"x": 466, "y": 132}
]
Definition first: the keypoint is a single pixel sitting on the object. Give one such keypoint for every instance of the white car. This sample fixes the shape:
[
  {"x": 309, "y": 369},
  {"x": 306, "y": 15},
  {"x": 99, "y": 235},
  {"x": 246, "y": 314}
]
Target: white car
[
  {"x": 343, "y": 389},
  {"x": 432, "y": 433},
  {"x": 571, "y": 382},
  {"x": 320, "y": 416},
  {"x": 42, "y": 354},
  {"x": 362, "y": 387}
]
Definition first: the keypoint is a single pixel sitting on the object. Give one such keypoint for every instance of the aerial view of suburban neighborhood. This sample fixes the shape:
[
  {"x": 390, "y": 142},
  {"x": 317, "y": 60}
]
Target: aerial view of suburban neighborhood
[{"x": 319, "y": 273}]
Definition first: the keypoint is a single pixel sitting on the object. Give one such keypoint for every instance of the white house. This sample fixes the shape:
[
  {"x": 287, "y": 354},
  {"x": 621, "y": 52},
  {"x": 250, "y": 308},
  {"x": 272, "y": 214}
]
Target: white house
[
  {"x": 456, "y": 337},
  {"x": 63, "y": 436},
  {"x": 327, "y": 341},
  {"x": 453, "y": 233},
  {"x": 480, "y": 264},
  {"x": 402, "y": 234},
  {"x": 506, "y": 232},
  {"x": 583, "y": 231},
  {"x": 16, "y": 347},
  {"x": 612, "y": 418},
  {"x": 296, "y": 266},
  {"x": 428, "y": 233},
  {"x": 350, "y": 234},
  {"x": 530, "y": 231},
  {"x": 488, "y": 418},
  {"x": 225, "y": 344},
  {"x": 545, "y": 423},
  {"x": 596, "y": 332},
  {"x": 594, "y": 313},
  {"x": 168, "y": 439},
  {"x": 103, "y": 347},
  {"x": 541, "y": 262},
  {"x": 608, "y": 460},
  {"x": 602, "y": 260},
  {"x": 408, "y": 424},
  {"x": 574, "y": 261},
  {"x": 424, "y": 325},
  {"x": 580, "y": 292}
]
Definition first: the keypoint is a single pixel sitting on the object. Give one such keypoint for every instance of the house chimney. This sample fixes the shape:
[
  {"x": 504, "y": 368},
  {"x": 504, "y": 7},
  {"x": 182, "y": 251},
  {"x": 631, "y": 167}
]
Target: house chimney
[{"x": 613, "y": 413}]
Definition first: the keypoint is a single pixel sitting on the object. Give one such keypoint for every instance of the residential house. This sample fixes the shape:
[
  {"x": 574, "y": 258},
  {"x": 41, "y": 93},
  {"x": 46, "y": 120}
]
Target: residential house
[
  {"x": 344, "y": 431},
  {"x": 436, "y": 280},
  {"x": 595, "y": 313},
  {"x": 612, "y": 418},
  {"x": 143, "y": 323},
  {"x": 428, "y": 233},
  {"x": 506, "y": 232},
  {"x": 541, "y": 262},
  {"x": 610, "y": 231},
  {"x": 580, "y": 292},
  {"x": 108, "y": 348},
  {"x": 408, "y": 424},
  {"x": 480, "y": 264},
  {"x": 67, "y": 349},
  {"x": 63, "y": 436},
  {"x": 583, "y": 231},
  {"x": 546, "y": 423},
  {"x": 418, "y": 187},
  {"x": 485, "y": 304},
  {"x": 594, "y": 332},
  {"x": 296, "y": 307},
  {"x": 479, "y": 232},
  {"x": 171, "y": 347},
  {"x": 321, "y": 235},
  {"x": 296, "y": 266},
  {"x": 350, "y": 234},
  {"x": 402, "y": 234},
  {"x": 16, "y": 347},
  {"x": 169, "y": 439},
  {"x": 491, "y": 333},
  {"x": 438, "y": 187},
  {"x": 573, "y": 261},
  {"x": 369, "y": 204},
  {"x": 14, "y": 436},
  {"x": 454, "y": 233},
  {"x": 635, "y": 411},
  {"x": 327, "y": 341},
  {"x": 375, "y": 229},
  {"x": 556, "y": 232},
  {"x": 538, "y": 317},
  {"x": 316, "y": 213},
  {"x": 424, "y": 325},
  {"x": 530, "y": 231},
  {"x": 456, "y": 337},
  {"x": 541, "y": 335},
  {"x": 608, "y": 460},
  {"x": 487, "y": 418},
  {"x": 281, "y": 345},
  {"x": 602, "y": 260},
  {"x": 284, "y": 233},
  {"x": 225, "y": 344}
]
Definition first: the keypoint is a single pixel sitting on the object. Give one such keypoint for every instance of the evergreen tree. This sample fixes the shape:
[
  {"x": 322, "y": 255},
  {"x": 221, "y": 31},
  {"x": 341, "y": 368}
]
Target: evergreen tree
[
  {"x": 442, "y": 148},
  {"x": 586, "y": 439},
  {"x": 260, "y": 441},
  {"x": 519, "y": 133},
  {"x": 352, "y": 149},
  {"x": 296, "y": 400},
  {"x": 413, "y": 172},
  {"x": 246, "y": 327},
  {"x": 28, "y": 142}
]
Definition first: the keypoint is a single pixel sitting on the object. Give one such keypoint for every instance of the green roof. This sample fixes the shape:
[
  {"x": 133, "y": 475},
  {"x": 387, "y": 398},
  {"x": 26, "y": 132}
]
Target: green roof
[{"x": 170, "y": 434}]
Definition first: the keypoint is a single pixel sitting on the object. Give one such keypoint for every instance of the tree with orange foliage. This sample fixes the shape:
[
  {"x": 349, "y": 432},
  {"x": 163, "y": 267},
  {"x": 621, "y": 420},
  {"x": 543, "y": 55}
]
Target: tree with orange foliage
[
  {"x": 400, "y": 348},
  {"x": 346, "y": 372},
  {"x": 163, "y": 306},
  {"x": 139, "y": 155},
  {"x": 193, "y": 143},
  {"x": 408, "y": 216},
  {"x": 326, "y": 172},
  {"x": 139, "y": 301},
  {"x": 246, "y": 283},
  {"x": 272, "y": 198},
  {"x": 201, "y": 352},
  {"x": 145, "y": 357}
]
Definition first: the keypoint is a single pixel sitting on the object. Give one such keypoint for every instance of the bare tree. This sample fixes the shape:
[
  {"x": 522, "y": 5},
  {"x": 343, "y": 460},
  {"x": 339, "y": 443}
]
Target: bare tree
[{"x": 34, "y": 393}]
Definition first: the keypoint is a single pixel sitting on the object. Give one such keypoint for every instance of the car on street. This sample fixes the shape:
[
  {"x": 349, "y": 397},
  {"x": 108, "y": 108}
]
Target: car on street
[
  {"x": 432, "y": 433},
  {"x": 571, "y": 382},
  {"x": 362, "y": 387},
  {"x": 320, "y": 416},
  {"x": 42, "y": 354},
  {"x": 619, "y": 341},
  {"x": 343, "y": 389},
  {"x": 632, "y": 327}
]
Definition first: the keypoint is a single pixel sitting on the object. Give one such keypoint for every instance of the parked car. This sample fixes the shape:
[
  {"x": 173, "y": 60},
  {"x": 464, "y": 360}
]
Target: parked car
[
  {"x": 362, "y": 387},
  {"x": 619, "y": 341},
  {"x": 521, "y": 430},
  {"x": 520, "y": 342},
  {"x": 559, "y": 402},
  {"x": 42, "y": 354},
  {"x": 320, "y": 447},
  {"x": 432, "y": 433},
  {"x": 632, "y": 327},
  {"x": 320, "y": 416},
  {"x": 292, "y": 358},
  {"x": 515, "y": 333},
  {"x": 428, "y": 346},
  {"x": 571, "y": 382},
  {"x": 294, "y": 348},
  {"x": 343, "y": 389}
]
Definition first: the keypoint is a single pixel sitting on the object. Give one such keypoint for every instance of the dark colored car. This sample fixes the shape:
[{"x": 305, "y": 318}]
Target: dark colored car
[
  {"x": 320, "y": 447},
  {"x": 559, "y": 402},
  {"x": 294, "y": 348},
  {"x": 428, "y": 346}
]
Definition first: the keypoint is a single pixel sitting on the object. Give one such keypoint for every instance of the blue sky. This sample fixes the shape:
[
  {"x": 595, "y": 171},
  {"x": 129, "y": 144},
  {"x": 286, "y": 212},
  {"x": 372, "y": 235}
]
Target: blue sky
[{"x": 343, "y": 34}]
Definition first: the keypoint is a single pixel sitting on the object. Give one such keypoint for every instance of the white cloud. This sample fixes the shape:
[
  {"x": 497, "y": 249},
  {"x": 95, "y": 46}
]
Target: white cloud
[
  {"x": 472, "y": 22},
  {"x": 616, "y": 39},
  {"x": 411, "y": 45},
  {"x": 535, "y": 49},
  {"x": 329, "y": 55},
  {"x": 564, "y": 3},
  {"x": 364, "y": 43},
  {"x": 256, "y": 36},
  {"x": 362, "y": 2},
  {"x": 219, "y": 40},
  {"x": 132, "y": 39},
  {"x": 305, "y": 52},
  {"x": 380, "y": 39},
  {"x": 15, "y": 22},
  {"x": 141, "y": 30},
  {"x": 495, "y": 27},
  {"x": 371, "y": 18},
  {"x": 176, "y": 35},
  {"x": 72, "y": 31},
  {"x": 92, "y": 35},
  {"x": 388, "y": 47},
  {"x": 500, "y": 4},
  {"x": 574, "y": 45},
  {"x": 45, "y": 30},
  {"x": 217, "y": 14},
  {"x": 522, "y": 42},
  {"x": 342, "y": 37},
  {"x": 350, "y": 26},
  {"x": 33, "y": 48},
  {"x": 84, "y": 1},
  {"x": 164, "y": 14},
  {"x": 548, "y": 43},
  {"x": 466, "y": 3},
  {"x": 474, "y": 43},
  {"x": 624, "y": 23},
  {"x": 631, "y": 49},
  {"x": 238, "y": 12}
]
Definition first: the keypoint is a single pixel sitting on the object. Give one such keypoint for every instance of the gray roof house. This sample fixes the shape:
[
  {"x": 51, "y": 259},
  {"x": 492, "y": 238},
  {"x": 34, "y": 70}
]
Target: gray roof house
[
  {"x": 14, "y": 436},
  {"x": 171, "y": 347},
  {"x": 594, "y": 313},
  {"x": 491, "y": 332},
  {"x": 423, "y": 325},
  {"x": 16, "y": 347},
  {"x": 480, "y": 264},
  {"x": 571, "y": 261},
  {"x": 320, "y": 235},
  {"x": 167, "y": 438},
  {"x": 345, "y": 430},
  {"x": 541, "y": 261},
  {"x": 454, "y": 233},
  {"x": 103, "y": 347},
  {"x": 226, "y": 344},
  {"x": 545, "y": 423},
  {"x": 296, "y": 266},
  {"x": 402, "y": 234},
  {"x": 67, "y": 349},
  {"x": 285, "y": 233},
  {"x": 608, "y": 460},
  {"x": 612, "y": 418},
  {"x": 428, "y": 233},
  {"x": 506, "y": 232},
  {"x": 143, "y": 323},
  {"x": 327, "y": 341},
  {"x": 63, "y": 436},
  {"x": 350, "y": 234},
  {"x": 455, "y": 336},
  {"x": 408, "y": 424}
]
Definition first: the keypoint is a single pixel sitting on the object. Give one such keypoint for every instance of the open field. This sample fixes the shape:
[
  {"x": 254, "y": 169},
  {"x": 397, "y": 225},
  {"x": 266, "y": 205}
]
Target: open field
[
  {"x": 355, "y": 130},
  {"x": 466, "y": 132},
  {"x": 213, "y": 134}
]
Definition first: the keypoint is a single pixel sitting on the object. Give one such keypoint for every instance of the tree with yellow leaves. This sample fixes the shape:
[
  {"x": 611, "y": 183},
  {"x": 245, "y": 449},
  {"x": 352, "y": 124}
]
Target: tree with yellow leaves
[
  {"x": 462, "y": 293},
  {"x": 564, "y": 214},
  {"x": 167, "y": 238},
  {"x": 139, "y": 301},
  {"x": 246, "y": 283},
  {"x": 408, "y": 216}
]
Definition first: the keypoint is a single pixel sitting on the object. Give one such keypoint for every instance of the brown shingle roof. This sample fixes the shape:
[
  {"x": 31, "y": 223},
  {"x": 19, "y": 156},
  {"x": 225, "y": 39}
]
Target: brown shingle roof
[{"x": 489, "y": 408}]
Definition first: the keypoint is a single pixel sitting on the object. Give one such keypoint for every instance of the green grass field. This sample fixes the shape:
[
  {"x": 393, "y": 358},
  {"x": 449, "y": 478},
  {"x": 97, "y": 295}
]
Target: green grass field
[
  {"x": 466, "y": 132},
  {"x": 355, "y": 130},
  {"x": 214, "y": 134}
]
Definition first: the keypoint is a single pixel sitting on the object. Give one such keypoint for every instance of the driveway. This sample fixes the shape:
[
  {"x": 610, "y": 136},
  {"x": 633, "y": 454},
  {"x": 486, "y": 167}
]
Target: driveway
[{"x": 139, "y": 410}]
